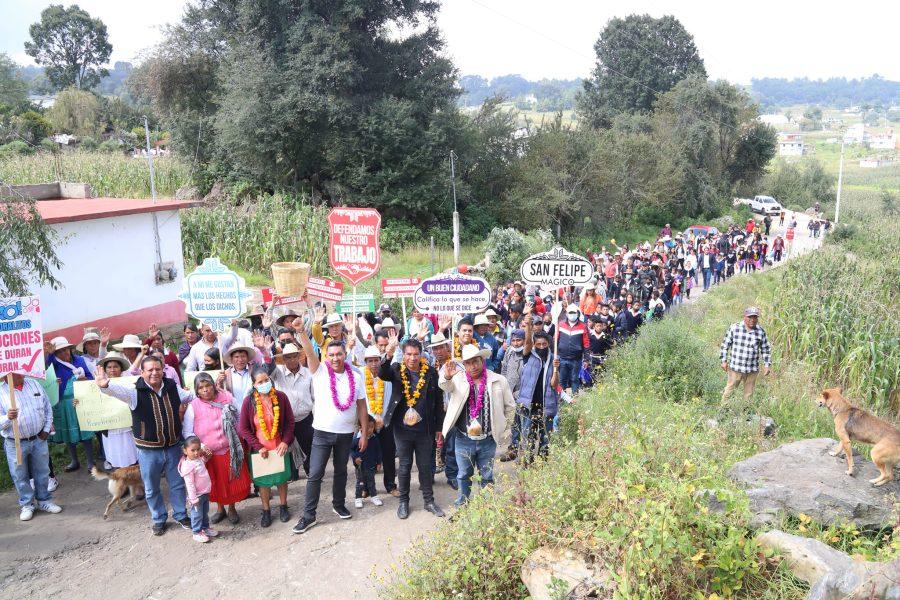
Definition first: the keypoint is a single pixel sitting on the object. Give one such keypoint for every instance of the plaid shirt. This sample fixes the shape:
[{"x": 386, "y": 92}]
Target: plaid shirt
[{"x": 746, "y": 346}]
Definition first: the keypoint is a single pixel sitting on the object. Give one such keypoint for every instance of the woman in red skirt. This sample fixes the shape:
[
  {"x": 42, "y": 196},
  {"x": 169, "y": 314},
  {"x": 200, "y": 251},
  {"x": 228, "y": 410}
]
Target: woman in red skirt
[{"x": 213, "y": 418}]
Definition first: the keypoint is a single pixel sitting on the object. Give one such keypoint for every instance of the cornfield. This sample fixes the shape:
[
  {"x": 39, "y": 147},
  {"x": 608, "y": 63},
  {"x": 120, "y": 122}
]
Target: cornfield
[
  {"x": 836, "y": 310},
  {"x": 110, "y": 175},
  {"x": 254, "y": 234}
]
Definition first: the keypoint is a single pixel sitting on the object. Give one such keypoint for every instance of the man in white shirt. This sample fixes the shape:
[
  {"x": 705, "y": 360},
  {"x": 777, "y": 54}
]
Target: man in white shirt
[
  {"x": 339, "y": 397},
  {"x": 194, "y": 360},
  {"x": 294, "y": 379}
]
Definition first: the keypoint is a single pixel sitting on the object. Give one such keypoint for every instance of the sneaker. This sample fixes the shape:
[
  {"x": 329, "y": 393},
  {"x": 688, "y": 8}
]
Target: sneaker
[
  {"x": 159, "y": 528},
  {"x": 185, "y": 523},
  {"x": 377, "y": 501},
  {"x": 342, "y": 512},
  {"x": 358, "y": 503},
  {"x": 265, "y": 518},
  {"x": 303, "y": 525},
  {"x": 201, "y": 537},
  {"x": 49, "y": 507},
  {"x": 210, "y": 532},
  {"x": 27, "y": 513}
]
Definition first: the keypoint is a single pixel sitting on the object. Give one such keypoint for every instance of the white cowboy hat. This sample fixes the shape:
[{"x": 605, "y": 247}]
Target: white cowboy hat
[
  {"x": 372, "y": 352},
  {"x": 251, "y": 352},
  {"x": 114, "y": 356},
  {"x": 471, "y": 351},
  {"x": 481, "y": 320},
  {"x": 490, "y": 313},
  {"x": 60, "y": 342},
  {"x": 388, "y": 323},
  {"x": 438, "y": 339},
  {"x": 572, "y": 308},
  {"x": 129, "y": 341},
  {"x": 333, "y": 319},
  {"x": 256, "y": 310},
  {"x": 89, "y": 336},
  {"x": 290, "y": 349}
]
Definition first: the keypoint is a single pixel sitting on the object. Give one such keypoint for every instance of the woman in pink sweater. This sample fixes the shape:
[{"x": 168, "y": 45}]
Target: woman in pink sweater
[{"x": 192, "y": 469}]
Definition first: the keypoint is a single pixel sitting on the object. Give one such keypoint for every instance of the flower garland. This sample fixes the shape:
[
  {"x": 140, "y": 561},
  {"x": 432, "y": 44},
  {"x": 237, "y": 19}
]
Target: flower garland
[
  {"x": 375, "y": 391},
  {"x": 423, "y": 369},
  {"x": 475, "y": 407},
  {"x": 276, "y": 413},
  {"x": 457, "y": 348},
  {"x": 351, "y": 399}
]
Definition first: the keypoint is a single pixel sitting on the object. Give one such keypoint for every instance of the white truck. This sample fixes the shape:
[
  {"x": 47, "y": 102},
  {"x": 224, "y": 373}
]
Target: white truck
[{"x": 764, "y": 205}]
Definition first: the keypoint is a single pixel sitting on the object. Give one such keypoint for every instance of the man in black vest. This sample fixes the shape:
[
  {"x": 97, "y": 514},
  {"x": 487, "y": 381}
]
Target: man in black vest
[{"x": 156, "y": 423}]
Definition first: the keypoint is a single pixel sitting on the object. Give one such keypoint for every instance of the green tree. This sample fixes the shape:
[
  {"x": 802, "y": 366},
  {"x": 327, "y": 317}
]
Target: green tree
[
  {"x": 78, "y": 112},
  {"x": 27, "y": 244},
  {"x": 71, "y": 45},
  {"x": 13, "y": 89},
  {"x": 638, "y": 58},
  {"x": 32, "y": 126}
]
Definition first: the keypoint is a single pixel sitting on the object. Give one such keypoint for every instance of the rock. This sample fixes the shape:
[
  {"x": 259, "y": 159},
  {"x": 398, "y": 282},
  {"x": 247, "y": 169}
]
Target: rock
[
  {"x": 216, "y": 193},
  {"x": 713, "y": 502},
  {"x": 765, "y": 424},
  {"x": 808, "y": 559},
  {"x": 801, "y": 477},
  {"x": 187, "y": 192},
  {"x": 546, "y": 566},
  {"x": 860, "y": 581},
  {"x": 712, "y": 423}
]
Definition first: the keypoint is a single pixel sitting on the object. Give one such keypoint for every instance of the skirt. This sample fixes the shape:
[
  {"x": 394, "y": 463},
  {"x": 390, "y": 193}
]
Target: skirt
[
  {"x": 275, "y": 478},
  {"x": 65, "y": 420},
  {"x": 119, "y": 448},
  {"x": 224, "y": 489}
]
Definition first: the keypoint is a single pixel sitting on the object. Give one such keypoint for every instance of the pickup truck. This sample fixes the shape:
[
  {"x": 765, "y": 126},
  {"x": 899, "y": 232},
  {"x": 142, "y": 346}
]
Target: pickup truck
[{"x": 764, "y": 205}]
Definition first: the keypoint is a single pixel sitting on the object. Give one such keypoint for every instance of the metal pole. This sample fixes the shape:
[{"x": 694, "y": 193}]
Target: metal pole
[
  {"x": 455, "y": 211},
  {"x": 837, "y": 206},
  {"x": 153, "y": 195},
  {"x": 432, "y": 256}
]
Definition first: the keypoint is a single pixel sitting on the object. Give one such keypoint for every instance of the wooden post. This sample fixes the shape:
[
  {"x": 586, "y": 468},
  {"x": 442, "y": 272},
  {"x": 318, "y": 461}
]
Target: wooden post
[
  {"x": 403, "y": 304},
  {"x": 12, "y": 404}
]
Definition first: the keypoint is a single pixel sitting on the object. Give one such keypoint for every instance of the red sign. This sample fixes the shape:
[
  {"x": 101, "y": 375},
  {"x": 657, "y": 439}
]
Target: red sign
[
  {"x": 354, "y": 251},
  {"x": 325, "y": 289},
  {"x": 400, "y": 288}
]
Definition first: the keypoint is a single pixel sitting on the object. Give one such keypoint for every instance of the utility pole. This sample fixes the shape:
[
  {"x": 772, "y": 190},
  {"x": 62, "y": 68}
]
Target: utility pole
[
  {"x": 156, "y": 238},
  {"x": 455, "y": 211},
  {"x": 837, "y": 205}
]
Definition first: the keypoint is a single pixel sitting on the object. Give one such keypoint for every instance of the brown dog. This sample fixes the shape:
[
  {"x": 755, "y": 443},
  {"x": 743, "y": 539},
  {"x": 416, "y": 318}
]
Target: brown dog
[
  {"x": 125, "y": 478},
  {"x": 853, "y": 424}
]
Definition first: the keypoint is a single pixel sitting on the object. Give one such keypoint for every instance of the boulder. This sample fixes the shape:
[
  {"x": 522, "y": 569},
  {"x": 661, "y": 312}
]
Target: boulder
[
  {"x": 215, "y": 194},
  {"x": 808, "y": 559},
  {"x": 187, "y": 192},
  {"x": 801, "y": 477},
  {"x": 547, "y": 568},
  {"x": 860, "y": 581}
]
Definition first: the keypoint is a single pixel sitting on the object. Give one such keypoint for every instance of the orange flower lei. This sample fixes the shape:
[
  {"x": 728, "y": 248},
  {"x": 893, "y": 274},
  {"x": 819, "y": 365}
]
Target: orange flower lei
[
  {"x": 457, "y": 349},
  {"x": 276, "y": 413},
  {"x": 375, "y": 391},
  {"x": 423, "y": 369}
]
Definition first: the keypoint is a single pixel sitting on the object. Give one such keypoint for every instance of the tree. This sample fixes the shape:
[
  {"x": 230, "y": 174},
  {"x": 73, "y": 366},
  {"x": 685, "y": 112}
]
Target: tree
[
  {"x": 13, "y": 89},
  {"x": 28, "y": 246},
  {"x": 638, "y": 58},
  {"x": 78, "y": 112},
  {"x": 71, "y": 45}
]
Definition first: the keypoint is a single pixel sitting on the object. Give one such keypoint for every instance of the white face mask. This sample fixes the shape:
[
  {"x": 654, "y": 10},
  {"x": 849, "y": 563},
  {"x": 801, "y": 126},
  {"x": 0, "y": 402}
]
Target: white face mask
[
  {"x": 519, "y": 349},
  {"x": 572, "y": 317}
]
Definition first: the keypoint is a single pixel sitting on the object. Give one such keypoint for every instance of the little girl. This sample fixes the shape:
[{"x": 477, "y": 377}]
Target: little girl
[{"x": 198, "y": 485}]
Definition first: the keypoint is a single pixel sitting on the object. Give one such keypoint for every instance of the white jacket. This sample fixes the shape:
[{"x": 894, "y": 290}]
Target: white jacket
[{"x": 503, "y": 405}]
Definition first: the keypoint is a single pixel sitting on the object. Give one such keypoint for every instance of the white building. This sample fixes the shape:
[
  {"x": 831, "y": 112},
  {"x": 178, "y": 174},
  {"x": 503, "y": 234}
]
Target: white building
[
  {"x": 883, "y": 141},
  {"x": 855, "y": 134},
  {"x": 875, "y": 162},
  {"x": 791, "y": 145},
  {"x": 774, "y": 119},
  {"x": 110, "y": 275}
]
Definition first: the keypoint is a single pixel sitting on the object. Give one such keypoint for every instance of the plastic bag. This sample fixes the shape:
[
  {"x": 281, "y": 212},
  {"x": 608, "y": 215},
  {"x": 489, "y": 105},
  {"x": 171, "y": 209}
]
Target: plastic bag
[
  {"x": 586, "y": 377},
  {"x": 474, "y": 428},
  {"x": 411, "y": 417}
]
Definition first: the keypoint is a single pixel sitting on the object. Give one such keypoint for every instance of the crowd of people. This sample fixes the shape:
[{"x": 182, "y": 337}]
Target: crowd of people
[{"x": 229, "y": 416}]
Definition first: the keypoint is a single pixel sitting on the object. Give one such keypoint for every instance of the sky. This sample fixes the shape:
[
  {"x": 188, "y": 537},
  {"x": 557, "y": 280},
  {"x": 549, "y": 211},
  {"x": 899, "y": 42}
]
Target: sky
[{"x": 554, "y": 39}]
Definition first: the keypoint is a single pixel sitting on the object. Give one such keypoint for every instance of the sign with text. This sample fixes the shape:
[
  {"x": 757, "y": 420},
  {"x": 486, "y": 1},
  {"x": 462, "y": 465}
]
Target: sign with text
[
  {"x": 400, "y": 288},
  {"x": 556, "y": 268},
  {"x": 325, "y": 289},
  {"x": 21, "y": 337},
  {"x": 356, "y": 303},
  {"x": 99, "y": 412},
  {"x": 453, "y": 293},
  {"x": 214, "y": 294},
  {"x": 354, "y": 250}
]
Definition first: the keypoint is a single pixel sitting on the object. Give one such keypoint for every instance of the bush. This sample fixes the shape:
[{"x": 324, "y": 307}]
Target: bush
[
  {"x": 508, "y": 249},
  {"x": 110, "y": 146},
  {"x": 397, "y": 235},
  {"x": 49, "y": 145},
  {"x": 15, "y": 148},
  {"x": 88, "y": 143}
]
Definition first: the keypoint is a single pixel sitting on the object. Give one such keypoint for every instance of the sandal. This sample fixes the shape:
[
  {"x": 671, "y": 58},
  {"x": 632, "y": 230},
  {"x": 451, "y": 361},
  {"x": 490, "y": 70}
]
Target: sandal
[{"x": 218, "y": 517}]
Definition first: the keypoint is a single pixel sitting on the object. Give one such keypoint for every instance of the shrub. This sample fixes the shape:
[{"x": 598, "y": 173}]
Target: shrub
[
  {"x": 397, "y": 235},
  {"x": 110, "y": 146},
  {"x": 15, "y": 148},
  {"x": 508, "y": 249},
  {"x": 48, "y": 145},
  {"x": 89, "y": 143}
]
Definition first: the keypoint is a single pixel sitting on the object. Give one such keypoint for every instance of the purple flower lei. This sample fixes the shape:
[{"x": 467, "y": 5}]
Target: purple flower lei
[
  {"x": 334, "y": 394},
  {"x": 475, "y": 408}
]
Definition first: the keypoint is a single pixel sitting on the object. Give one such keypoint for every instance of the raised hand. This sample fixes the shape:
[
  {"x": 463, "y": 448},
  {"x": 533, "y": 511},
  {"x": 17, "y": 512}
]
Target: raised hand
[
  {"x": 444, "y": 321},
  {"x": 320, "y": 312},
  {"x": 349, "y": 323},
  {"x": 529, "y": 306},
  {"x": 153, "y": 331},
  {"x": 450, "y": 369},
  {"x": 104, "y": 336},
  {"x": 101, "y": 379},
  {"x": 267, "y": 320},
  {"x": 297, "y": 324},
  {"x": 259, "y": 340}
]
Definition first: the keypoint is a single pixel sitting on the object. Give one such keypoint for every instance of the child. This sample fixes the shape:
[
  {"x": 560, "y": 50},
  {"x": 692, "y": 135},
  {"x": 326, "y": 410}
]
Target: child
[
  {"x": 688, "y": 286},
  {"x": 366, "y": 464},
  {"x": 198, "y": 485}
]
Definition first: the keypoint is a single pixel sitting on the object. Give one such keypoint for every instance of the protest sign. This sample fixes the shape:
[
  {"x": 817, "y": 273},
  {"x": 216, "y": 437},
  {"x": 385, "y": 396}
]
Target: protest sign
[
  {"x": 556, "y": 268},
  {"x": 452, "y": 294},
  {"x": 190, "y": 376},
  {"x": 325, "y": 289},
  {"x": 354, "y": 250},
  {"x": 214, "y": 294},
  {"x": 356, "y": 303},
  {"x": 400, "y": 288},
  {"x": 50, "y": 385},
  {"x": 21, "y": 338},
  {"x": 99, "y": 412}
]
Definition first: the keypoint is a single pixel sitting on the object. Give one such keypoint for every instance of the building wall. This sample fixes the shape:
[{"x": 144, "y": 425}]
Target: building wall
[{"x": 108, "y": 277}]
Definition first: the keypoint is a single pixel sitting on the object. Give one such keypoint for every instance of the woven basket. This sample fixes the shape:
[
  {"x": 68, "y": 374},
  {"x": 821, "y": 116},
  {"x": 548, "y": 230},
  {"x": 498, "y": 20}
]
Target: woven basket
[{"x": 290, "y": 278}]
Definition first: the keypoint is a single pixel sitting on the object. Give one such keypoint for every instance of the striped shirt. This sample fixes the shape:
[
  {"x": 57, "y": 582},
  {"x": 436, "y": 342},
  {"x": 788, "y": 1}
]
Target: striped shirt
[{"x": 35, "y": 413}]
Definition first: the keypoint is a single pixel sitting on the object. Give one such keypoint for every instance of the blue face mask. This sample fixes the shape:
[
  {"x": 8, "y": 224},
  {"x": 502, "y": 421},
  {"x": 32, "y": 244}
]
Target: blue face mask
[{"x": 264, "y": 388}]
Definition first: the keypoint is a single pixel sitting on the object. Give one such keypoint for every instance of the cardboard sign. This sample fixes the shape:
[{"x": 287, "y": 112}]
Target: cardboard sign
[
  {"x": 356, "y": 303},
  {"x": 325, "y": 289},
  {"x": 99, "y": 412},
  {"x": 214, "y": 295},
  {"x": 354, "y": 250},
  {"x": 400, "y": 288},
  {"x": 556, "y": 268},
  {"x": 21, "y": 337},
  {"x": 50, "y": 385},
  {"x": 452, "y": 294}
]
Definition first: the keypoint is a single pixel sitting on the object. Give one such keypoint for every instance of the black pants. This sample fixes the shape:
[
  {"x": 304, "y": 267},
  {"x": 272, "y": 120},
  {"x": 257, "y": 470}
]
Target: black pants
[
  {"x": 389, "y": 458},
  {"x": 420, "y": 444},
  {"x": 324, "y": 445},
  {"x": 365, "y": 482},
  {"x": 303, "y": 432}
]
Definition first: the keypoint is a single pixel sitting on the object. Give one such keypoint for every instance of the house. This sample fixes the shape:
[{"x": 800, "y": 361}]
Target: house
[
  {"x": 855, "y": 134},
  {"x": 791, "y": 145},
  {"x": 875, "y": 162},
  {"x": 110, "y": 272},
  {"x": 883, "y": 141},
  {"x": 774, "y": 119},
  {"x": 64, "y": 138}
]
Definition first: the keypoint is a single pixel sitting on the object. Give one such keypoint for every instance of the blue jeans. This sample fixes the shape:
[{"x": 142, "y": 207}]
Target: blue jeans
[
  {"x": 535, "y": 429},
  {"x": 470, "y": 453},
  {"x": 153, "y": 461},
  {"x": 200, "y": 514},
  {"x": 451, "y": 470},
  {"x": 569, "y": 371},
  {"x": 707, "y": 278},
  {"x": 35, "y": 465},
  {"x": 517, "y": 426}
]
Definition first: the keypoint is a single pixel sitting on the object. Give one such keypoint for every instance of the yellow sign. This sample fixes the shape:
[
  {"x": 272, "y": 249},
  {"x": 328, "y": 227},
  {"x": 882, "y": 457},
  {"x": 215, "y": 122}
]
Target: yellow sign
[
  {"x": 189, "y": 377},
  {"x": 99, "y": 412}
]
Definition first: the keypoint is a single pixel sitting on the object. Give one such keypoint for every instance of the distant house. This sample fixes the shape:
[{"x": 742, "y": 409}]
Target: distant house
[
  {"x": 791, "y": 145},
  {"x": 774, "y": 119},
  {"x": 63, "y": 138},
  {"x": 875, "y": 162},
  {"x": 883, "y": 141},
  {"x": 855, "y": 134}
]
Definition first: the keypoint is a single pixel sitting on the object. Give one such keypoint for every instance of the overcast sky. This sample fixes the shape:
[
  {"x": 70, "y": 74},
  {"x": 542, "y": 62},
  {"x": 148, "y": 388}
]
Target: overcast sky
[{"x": 544, "y": 38}]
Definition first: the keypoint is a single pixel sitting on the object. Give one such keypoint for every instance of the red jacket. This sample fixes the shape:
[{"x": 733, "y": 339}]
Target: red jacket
[{"x": 574, "y": 340}]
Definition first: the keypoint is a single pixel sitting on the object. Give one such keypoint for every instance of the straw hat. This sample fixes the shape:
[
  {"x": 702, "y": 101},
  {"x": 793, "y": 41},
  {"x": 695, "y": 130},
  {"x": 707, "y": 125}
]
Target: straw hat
[
  {"x": 129, "y": 341},
  {"x": 60, "y": 343},
  {"x": 114, "y": 357},
  {"x": 281, "y": 314},
  {"x": 89, "y": 336},
  {"x": 333, "y": 319},
  {"x": 251, "y": 352},
  {"x": 490, "y": 313},
  {"x": 438, "y": 339},
  {"x": 290, "y": 349},
  {"x": 481, "y": 320},
  {"x": 372, "y": 352},
  {"x": 256, "y": 311},
  {"x": 388, "y": 323},
  {"x": 471, "y": 351}
]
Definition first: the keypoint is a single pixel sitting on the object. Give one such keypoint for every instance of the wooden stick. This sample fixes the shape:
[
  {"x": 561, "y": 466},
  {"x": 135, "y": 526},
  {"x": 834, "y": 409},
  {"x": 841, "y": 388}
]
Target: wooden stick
[{"x": 12, "y": 405}]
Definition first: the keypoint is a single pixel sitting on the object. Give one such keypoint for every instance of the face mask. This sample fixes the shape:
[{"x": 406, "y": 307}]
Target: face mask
[
  {"x": 264, "y": 388},
  {"x": 572, "y": 317},
  {"x": 519, "y": 349},
  {"x": 542, "y": 353}
]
